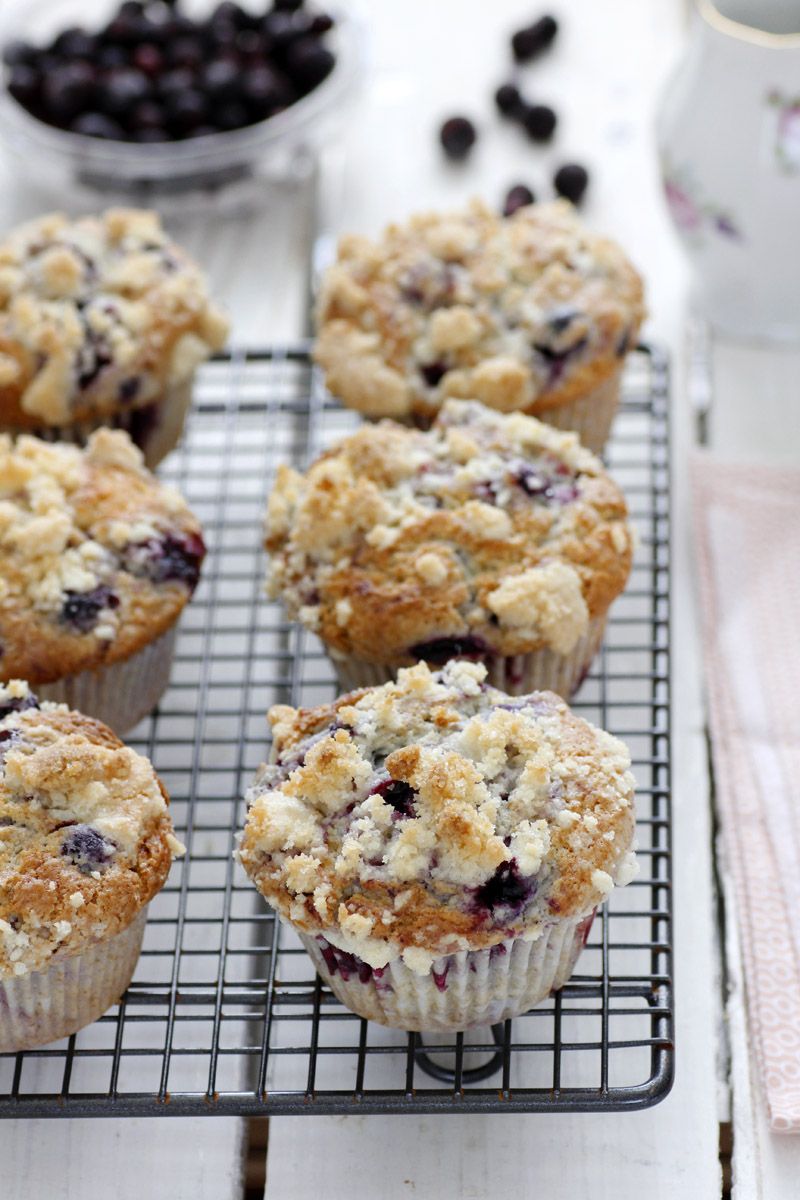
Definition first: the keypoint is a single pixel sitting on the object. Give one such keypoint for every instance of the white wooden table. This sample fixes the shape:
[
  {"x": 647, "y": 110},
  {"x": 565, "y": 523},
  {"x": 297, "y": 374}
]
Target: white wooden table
[{"x": 426, "y": 62}]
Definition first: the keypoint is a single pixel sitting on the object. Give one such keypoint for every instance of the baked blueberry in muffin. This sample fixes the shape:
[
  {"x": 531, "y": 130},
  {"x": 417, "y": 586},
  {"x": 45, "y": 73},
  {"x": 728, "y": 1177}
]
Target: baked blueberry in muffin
[
  {"x": 489, "y": 536},
  {"x": 85, "y": 843},
  {"x": 439, "y": 845},
  {"x": 530, "y": 313},
  {"x": 103, "y": 321},
  {"x": 97, "y": 561}
]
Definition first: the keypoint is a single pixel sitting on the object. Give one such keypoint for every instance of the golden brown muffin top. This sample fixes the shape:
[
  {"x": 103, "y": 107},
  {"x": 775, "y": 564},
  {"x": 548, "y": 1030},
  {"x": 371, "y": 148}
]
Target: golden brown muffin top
[
  {"x": 487, "y": 534},
  {"x": 86, "y": 839},
  {"x": 97, "y": 558},
  {"x": 522, "y": 313},
  {"x": 437, "y": 814},
  {"x": 97, "y": 316}
]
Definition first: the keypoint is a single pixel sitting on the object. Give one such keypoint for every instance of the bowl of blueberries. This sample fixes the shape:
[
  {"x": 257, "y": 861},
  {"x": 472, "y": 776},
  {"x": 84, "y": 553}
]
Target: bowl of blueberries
[{"x": 152, "y": 98}]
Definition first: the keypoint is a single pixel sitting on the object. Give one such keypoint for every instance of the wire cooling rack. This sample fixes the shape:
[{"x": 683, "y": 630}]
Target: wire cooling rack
[{"x": 225, "y": 1014}]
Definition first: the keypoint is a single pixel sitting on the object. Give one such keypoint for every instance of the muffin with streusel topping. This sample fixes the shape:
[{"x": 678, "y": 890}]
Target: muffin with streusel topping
[
  {"x": 530, "y": 313},
  {"x": 103, "y": 321},
  {"x": 97, "y": 561},
  {"x": 86, "y": 841},
  {"x": 440, "y": 846},
  {"x": 489, "y": 536}
]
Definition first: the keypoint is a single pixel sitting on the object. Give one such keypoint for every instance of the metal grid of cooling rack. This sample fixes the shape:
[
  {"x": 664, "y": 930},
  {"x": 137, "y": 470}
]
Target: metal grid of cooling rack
[{"x": 225, "y": 1014}]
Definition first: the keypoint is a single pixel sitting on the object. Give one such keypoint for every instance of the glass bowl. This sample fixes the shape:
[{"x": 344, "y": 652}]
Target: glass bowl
[{"x": 218, "y": 165}]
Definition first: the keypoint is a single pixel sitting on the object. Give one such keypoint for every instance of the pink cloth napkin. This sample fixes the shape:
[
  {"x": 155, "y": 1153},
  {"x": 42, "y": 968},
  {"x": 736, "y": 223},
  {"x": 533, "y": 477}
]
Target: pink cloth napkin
[{"x": 747, "y": 526}]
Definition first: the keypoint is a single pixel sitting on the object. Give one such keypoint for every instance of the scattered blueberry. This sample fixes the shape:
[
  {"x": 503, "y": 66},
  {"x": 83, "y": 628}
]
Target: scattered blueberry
[
  {"x": 169, "y": 559},
  {"x": 539, "y": 121},
  {"x": 15, "y": 704},
  {"x": 528, "y": 43},
  {"x": 440, "y": 650},
  {"x": 457, "y": 136},
  {"x": 397, "y": 793},
  {"x": 346, "y": 964},
  {"x": 508, "y": 100},
  {"x": 81, "y": 609},
  {"x": 517, "y": 197},
  {"x": 87, "y": 848},
  {"x": 505, "y": 889},
  {"x": 571, "y": 181}
]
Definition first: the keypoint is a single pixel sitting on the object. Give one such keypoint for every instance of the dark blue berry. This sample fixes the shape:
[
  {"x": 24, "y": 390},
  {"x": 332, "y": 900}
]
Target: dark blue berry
[
  {"x": 539, "y": 121},
  {"x": 221, "y": 80},
  {"x": 528, "y": 43},
  {"x": 399, "y": 794},
  {"x": 265, "y": 91},
  {"x": 457, "y": 136},
  {"x": 122, "y": 90},
  {"x": 81, "y": 609},
  {"x": 87, "y": 848},
  {"x": 517, "y": 197},
  {"x": 571, "y": 181},
  {"x": 74, "y": 43},
  {"x": 321, "y": 23},
  {"x": 129, "y": 389},
  {"x": 15, "y": 704},
  {"x": 508, "y": 100},
  {"x": 506, "y": 889},
  {"x": 148, "y": 59},
  {"x": 24, "y": 84},
  {"x": 231, "y": 115},
  {"x": 432, "y": 373},
  {"x": 18, "y": 53},
  {"x": 67, "y": 90},
  {"x": 98, "y": 125},
  {"x": 308, "y": 63},
  {"x": 440, "y": 650},
  {"x": 186, "y": 52},
  {"x": 185, "y": 111},
  {"x": 171, "y": 559}
]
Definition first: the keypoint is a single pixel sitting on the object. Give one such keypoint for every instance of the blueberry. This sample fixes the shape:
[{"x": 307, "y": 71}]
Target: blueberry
[
  {"x": 74, "y": 43},
  {"x": 87, "y": 848},
  {"x": 148, "y": 59},
  {"x": 399, "y": 794},
  {"x": 124, "y": 30},
  {"x": 202, "y": 131},
  {"x": 186, "y": 52},
  {"x": 228, "y": 13},
  {"x": 288, "y": 6},
  {"x": 81, "y": 609},
  {"x": 128, "y": 390},
  {"x": 24, "y": 84},
  {"x": 110, "y": 57},
  {"x": 283, "y": 28},
  {"x": 221, "y": 80},
  {"x": 308, "y": 63},
  {"x": 15, "y": 704},
  {"x": 67, "y": 90},
  {"x": 321, "y": 23},
  {"x": 530, "y": 42},
  {"x": 169, "y": 559},
  {"x": 539, "y": 121},
  {"x": 147, "y": 115},
  {"x": 97, "y": 125},
  {"x": 505, "y": 889},
  {"x": 560, "y": 319},
  {"x": 171, "y": 83},
  {"x": 508, "y": 100},
  {"x": 440, "y": 650},
  {"x": 19, "y": 53},
  {"x": 266, "y": 91},
  {"x": 185, "y": 111},
  {"x": 432, "y": 373},
  {"x": 571, "y": 181},
  {"x": 457, "y": 136},
  {"x": 251, "y": 45},
  {"x": 123, "y": 89},
  {"x": 231, "y": 115},
  {"x": 346, "y": 964},
  {"x": 517, "y": 197}
]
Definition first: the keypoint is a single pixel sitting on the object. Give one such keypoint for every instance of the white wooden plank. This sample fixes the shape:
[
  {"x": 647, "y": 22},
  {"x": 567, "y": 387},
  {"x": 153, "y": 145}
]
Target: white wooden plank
[{"x": 603, "y": 79}]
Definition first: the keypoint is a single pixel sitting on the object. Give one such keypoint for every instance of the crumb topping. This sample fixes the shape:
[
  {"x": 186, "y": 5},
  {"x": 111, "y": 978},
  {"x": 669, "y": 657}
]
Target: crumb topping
[
  {"x": 97, "y": 315},
  {"x": 97, "y": 557},
  {"x": 85, "y": 834},
  {"x": 437, "y": 814},
  {"x": 492, "y": 530},
  {"x": 524, "y": 312}
]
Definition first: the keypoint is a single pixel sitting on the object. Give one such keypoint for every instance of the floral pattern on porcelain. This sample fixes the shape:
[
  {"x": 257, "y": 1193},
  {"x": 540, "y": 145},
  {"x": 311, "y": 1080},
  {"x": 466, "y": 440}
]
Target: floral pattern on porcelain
[{"x": 693, "y": 216}]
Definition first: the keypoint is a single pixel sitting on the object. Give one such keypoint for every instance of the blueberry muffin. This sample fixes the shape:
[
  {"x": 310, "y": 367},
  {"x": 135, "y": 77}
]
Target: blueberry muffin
[
  {"x": 489, "y": 536},
  {"x": 439, "y": 846},
  {"x": 528, "y": 313},
  {"x": 85, "y": 843},
  {"x": 97, "y": 561},
  {"x": 103, "y": 321}
]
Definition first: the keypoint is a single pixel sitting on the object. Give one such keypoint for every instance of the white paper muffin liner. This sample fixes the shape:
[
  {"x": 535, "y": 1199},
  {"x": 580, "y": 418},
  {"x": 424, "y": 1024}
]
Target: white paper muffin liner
[
  {"x": 590, "y": 415},
  {"x": 518, "y": 674},
  {"x": 471, "y": 988},
  {"x": 122, "y": 693},
  {"x": 163, "y": 422},
  {"x": 73, "y": 991}
]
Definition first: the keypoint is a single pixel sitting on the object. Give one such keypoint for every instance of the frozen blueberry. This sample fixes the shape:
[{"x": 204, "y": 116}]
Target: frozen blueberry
[
  {"x": 508, "y": 100},
  {"x": 397, "y": 793},
  {"x": 123, "y": 89},
  {"x": 17, "y": 704},
  {"x": 457, "y": 136},
  {"x": 98, "y": 125},
  {"x": 440, "y": 650},
  {"x": 67, "y": 90},
  {"x": 221, "y": 80},
  {"x": 517, "y": 197},
  {"x": 87, "y": 848},
  {"x": 539, "y": 121},
  {"x": 308, "y": 63},
  {"x": 82, "y": 609},
  {"x": 571, "y": 181},
  {"x": 505, "y": 889},
  {"x": 24, "y": 84}
]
